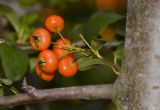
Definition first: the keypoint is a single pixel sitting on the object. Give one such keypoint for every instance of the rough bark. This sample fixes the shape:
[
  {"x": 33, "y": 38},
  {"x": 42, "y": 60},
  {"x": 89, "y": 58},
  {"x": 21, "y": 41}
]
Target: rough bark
[{"x": 138, "y": 86}]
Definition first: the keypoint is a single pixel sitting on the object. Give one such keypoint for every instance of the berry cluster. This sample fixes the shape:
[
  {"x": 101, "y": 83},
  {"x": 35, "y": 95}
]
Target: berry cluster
[{"x": 60, "y": 57}]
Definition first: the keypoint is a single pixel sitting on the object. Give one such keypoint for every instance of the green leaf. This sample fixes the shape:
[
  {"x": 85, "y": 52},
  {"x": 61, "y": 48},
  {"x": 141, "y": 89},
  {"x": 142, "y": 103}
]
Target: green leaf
[
  {"x": 1, "y": 90},
  {"x": 6, "y": 81},
  {"x": 8, "y": 36},
  {"x": 27, "y": 3},
  {"x": 98, "y": 21},
  {"x": 118, "y": 54},
  {"x": 86, "y": 63},
  {"x": 32, "y": 63},
  {"x": 26, "y": 26},
  {"x": 120, "y": 30},
  {"x": 88, "y": 67},
  {"x": 24, "y": 32},
  {"x": 78, "y": 55},
  {"x": 14, "y": 62},
  {"x": 97, "y": 44},
  {"x": 29, "y": 19},
  {"x": 78, "y": 29},
  {"x": 11, "y": 16},
  {"x": 120, "y": 27}
]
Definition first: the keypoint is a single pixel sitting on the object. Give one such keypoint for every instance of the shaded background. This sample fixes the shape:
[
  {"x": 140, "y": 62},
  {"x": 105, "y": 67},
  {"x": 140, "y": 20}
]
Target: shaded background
[{"x": 75, "y": 13}]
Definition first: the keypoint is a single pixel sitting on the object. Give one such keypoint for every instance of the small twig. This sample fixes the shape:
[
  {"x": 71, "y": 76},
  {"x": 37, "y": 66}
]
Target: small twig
[
  {"x": 15, "y": 91},
  {"x": 91, "y": 92},
  {"x": 112, "y": 44},
  {"x": 28, "y": 89},
  {"x": 80, "y": 43},
  {"x": 24, "y": 47},
  {"x": 77, "y": 44}
]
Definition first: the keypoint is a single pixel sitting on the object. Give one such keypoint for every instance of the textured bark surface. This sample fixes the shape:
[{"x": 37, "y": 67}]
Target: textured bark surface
[{"x": 138, "y": 86}]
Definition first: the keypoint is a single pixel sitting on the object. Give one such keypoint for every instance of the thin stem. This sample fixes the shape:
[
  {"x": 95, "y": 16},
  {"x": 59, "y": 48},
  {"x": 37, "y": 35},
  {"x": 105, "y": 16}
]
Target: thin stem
[
  {"x": 61, "y": 36},
  {"x": 59, "y": 33},
  {"x": 14, "y": 90},
  {"x": 115, "y": 67},
  {"x": 115, "y": 59},
  {"x": 116, "y": 72},
  {"x": 96, "y": 53},
  {"x": 87, "y": 43},
  {"x": 70, "y": 47},
  {"x": 65, "y": 42}
]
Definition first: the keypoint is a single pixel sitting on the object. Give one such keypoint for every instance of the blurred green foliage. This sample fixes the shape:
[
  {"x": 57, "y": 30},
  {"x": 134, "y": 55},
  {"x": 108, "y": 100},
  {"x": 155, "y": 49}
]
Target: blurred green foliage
[{"x": 81, "y": 16}]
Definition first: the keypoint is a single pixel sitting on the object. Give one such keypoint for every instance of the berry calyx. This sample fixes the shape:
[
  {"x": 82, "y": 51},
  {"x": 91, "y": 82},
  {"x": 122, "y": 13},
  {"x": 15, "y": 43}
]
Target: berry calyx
[
  {"x": 48, "y": 61},
  {"x": 40, "y": 39}
]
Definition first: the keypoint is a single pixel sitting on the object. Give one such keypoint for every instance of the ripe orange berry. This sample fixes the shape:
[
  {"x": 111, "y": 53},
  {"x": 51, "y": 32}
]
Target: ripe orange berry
[
  {"x": 40, "y": 39},
  {"x": 67, "y": 67},
  {"x": 59, "y": 49},
  {"x": 54, "y": 23},
  {"x": 113, "y": 5},
  {"x": 38, "y": 70},
  {"x": 48, "y": 61},
  {"x": 43, "y": 75},
  {"x": 108, "y": 34},
  {"x": 47, "y": 77},
  {"x": 106, "y": 4}
]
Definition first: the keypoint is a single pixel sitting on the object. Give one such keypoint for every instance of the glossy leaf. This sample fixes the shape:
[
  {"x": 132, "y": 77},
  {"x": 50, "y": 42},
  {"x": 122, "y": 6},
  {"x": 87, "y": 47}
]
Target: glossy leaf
[
  {"x": 98, "y": 21},
  {"x": 11, "y": 16},
  {"x": 78, "y": 29},
  {"x": 27, "y": 3},
  {"x": 86, "y": 63},
  {"x": 26, "y": 26},
  {"x": 29, "y": 19},
  {"x": 14, "y": 62},
  {"x": 8, "y": 36},
  {"x": 6, "y": 81},
  {"x": 32, "y": 63},
  {"x": 120, "y": 27},
  {"x": 97, "y": 44},
  {"x": 120, "y": 30},
  {"x": 118, "y": 54},
  {"x": 1, "y": 90}
]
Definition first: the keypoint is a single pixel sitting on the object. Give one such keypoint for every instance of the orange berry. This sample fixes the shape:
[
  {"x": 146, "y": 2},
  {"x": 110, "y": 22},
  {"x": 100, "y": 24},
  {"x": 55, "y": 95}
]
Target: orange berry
[
  {"x": 59, "y": 50},
  {"x": 38, "y": 70},
  {"x": 54, "y": 23},
  {"x": 47, "y": 77},
  {"x": 67, "y": 67},
  {"x": 43, "y": 75},
  {"x": 108, "y": 34},
  {"x": 48, "y": 61},
  {"x": 40, "y": 39},
  {"x": 112, "y": 5}
]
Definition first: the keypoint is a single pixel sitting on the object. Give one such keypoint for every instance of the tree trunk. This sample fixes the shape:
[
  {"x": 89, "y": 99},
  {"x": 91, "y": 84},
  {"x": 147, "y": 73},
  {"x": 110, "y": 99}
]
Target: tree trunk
[{"x": 138, "y": 86}]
